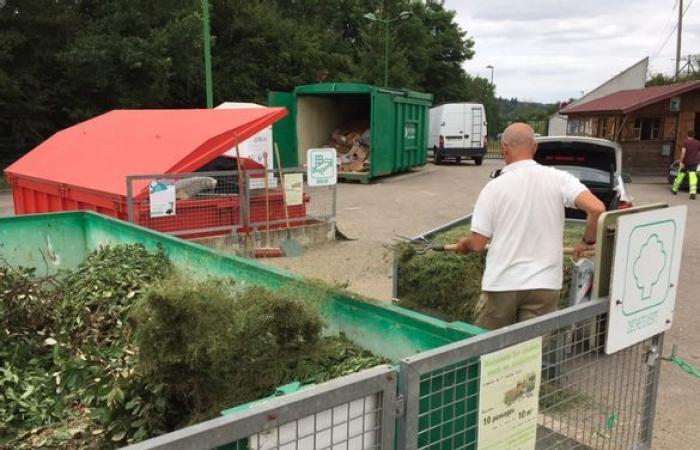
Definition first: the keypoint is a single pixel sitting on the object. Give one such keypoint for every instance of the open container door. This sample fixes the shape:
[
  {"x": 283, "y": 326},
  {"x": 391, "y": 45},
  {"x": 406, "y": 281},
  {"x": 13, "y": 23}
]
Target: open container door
[{"x": 284, "y": 131}]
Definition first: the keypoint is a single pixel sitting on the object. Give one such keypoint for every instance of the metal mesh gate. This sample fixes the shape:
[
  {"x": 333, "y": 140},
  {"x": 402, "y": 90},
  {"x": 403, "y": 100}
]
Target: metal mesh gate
[
  {"x": 355, "y": 412},
  {"x": 493, "y": 150},
  {"x": 586, "y": 400},
  {"x": 222, "y": 203}
]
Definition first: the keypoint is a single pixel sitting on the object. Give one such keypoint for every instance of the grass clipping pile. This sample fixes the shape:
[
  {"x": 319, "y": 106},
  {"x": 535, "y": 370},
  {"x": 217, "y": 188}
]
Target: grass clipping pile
[
  {"x": 449, "y": 285},
  {"x": 124, "y": 348}
]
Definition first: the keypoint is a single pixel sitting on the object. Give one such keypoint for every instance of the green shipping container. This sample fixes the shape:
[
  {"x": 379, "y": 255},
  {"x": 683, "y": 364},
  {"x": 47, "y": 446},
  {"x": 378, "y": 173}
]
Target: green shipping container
[{"x": 397, "y": 119}]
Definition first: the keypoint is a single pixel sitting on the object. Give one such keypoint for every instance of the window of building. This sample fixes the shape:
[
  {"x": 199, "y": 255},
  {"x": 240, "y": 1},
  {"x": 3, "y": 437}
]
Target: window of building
[{"x": 647, "y": 129}]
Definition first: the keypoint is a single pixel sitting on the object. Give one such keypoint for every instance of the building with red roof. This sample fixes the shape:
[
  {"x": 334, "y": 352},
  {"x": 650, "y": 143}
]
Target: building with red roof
[{"x": 650, "y": 123}]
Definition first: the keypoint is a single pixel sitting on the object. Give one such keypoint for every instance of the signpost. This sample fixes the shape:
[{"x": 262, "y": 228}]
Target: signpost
[
  {"x": 322, "y": 168},
  {"x": 509, "y": 388},
  {"x": 162, "y": 198},
  {"x": 648, "y": 247}
]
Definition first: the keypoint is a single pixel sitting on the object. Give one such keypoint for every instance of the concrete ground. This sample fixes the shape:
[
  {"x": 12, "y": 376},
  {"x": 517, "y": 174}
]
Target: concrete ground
[
  {"x": 415, "y": 202},
  {"x": 5, "y": 203}
]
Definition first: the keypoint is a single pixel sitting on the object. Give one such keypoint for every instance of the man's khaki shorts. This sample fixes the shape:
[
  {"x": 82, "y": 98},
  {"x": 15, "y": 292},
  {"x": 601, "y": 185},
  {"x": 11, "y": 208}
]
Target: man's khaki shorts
[{"x": 499, "y": 309}]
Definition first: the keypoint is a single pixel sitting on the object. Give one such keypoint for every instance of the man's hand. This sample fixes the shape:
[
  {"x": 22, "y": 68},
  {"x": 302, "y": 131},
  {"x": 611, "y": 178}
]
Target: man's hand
[
  {"x": 583, "y": 250},
  {"x": 474, "y": 243}
]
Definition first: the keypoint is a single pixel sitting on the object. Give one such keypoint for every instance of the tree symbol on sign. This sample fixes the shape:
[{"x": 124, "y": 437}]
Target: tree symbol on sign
[{"x": 649, "y": 265}]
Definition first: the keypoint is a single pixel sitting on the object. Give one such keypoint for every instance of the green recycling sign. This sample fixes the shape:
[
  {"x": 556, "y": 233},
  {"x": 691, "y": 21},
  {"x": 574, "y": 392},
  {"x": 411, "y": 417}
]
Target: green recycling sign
[
  {"x": 648, "y": 247},
  {"x": 322, "y": 169}
]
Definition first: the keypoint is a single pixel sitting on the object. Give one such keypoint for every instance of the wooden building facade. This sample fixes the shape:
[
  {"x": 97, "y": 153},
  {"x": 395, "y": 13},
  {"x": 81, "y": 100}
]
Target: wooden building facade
[{"x": 650, "y": 124}]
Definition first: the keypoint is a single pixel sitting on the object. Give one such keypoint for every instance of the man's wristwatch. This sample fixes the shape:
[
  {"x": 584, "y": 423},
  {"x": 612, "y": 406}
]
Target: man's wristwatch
[{"x": 587, "y": 242}]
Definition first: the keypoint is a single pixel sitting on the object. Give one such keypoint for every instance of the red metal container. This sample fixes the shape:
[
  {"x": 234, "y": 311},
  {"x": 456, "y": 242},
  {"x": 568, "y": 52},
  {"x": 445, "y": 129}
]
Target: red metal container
[{"x": 84, "y": 167}]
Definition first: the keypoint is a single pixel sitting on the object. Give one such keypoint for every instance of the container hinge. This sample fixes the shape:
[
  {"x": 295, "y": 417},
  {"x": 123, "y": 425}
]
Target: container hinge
[
  {"x": 400, "y": 406},
  {"x": 652, "y": 356}
]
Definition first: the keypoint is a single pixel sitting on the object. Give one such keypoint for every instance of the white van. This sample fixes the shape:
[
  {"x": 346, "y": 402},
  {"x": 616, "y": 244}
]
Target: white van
[{"x": 457, "y": 131}]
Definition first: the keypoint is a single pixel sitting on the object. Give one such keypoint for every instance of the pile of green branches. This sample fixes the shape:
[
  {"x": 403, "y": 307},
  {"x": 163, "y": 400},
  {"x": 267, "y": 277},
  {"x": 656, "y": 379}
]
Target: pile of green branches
[
  {"x": 125, "y": 347},
  {"x": 448, "y": 285}
]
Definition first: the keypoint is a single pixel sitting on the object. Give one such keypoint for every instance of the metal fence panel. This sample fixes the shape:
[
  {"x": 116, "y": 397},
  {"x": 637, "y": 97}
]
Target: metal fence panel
[
  {"x": 587, "y": 399},
  {"x": 207, "y": 203},
  {"x": 222, "y": 203},
  {"x": 314, "y": 203},
  {"x": 493, "y": 150},
  {"x": 355, "y": 412}
]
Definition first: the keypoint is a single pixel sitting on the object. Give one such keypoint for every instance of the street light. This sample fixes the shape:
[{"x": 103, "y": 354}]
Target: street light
[
  {"x": 207, "y": 54},
  {"x": 371, "y": 17},
  {"x": 491, "y": 67}
]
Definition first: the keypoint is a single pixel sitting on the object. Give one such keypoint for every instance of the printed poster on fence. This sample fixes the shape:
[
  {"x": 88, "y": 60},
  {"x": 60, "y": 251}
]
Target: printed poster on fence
[
  {"x": 509, "y": 390},
  {"x": 162, "y": 198},
  {"x": 294, "y": 188}
]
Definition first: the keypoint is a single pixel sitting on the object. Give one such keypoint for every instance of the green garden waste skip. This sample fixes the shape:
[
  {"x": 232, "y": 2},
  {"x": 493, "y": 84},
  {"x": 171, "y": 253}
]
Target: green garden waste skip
[
  {"x": 54, "y": 242},
  {"x": 376, "y": 131}
]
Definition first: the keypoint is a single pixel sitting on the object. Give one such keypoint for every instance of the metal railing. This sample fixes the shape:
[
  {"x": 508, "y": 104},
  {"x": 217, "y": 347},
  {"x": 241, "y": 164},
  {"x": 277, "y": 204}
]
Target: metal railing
[
  {"x": 355, "y": 412},
  {"x": 493, "y": 150},
  {"x": 222, "y": 203},
  {"x": 305, "y": 203},
  {"x": 586, "y": 399}
]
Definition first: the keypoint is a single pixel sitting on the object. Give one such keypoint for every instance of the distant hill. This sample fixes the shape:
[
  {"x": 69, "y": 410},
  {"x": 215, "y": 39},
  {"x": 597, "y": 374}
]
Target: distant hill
[{"x": 512, "y": 109}]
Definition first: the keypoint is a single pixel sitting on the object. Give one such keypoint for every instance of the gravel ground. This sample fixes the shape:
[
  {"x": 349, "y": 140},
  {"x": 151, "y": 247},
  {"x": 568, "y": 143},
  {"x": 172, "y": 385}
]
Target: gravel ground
[{"x": 412, "y": 203}]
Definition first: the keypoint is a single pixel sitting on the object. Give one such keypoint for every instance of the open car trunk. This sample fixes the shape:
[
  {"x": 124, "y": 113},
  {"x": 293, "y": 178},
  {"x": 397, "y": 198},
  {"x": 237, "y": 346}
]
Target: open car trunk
[{"x": 594, "y": 164}]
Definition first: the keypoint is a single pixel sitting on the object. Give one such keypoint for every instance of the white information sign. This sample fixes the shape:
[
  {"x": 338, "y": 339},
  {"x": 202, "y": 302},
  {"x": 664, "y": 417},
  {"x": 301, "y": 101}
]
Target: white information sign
[
  {"x": 322, "y": 168},
  {"x": 509, "y": 388},
  {"x": 257, "y": 147},
  {"x": 648, "y": 247},
  {"x": 294, "y": 188},
  {"x": 162, "y": 198}
]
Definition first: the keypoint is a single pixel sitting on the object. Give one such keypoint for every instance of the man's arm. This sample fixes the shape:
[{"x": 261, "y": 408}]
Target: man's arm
[
  {"x": 472, "y": 244},
  {"x": 593, "y": 207},
  {"x": 680, "y": 160}
]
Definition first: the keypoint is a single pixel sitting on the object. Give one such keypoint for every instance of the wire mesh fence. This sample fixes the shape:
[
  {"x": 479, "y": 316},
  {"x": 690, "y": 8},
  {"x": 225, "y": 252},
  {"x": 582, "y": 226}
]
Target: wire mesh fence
[
  {"x": 205, "y": 204},
  {"x": 493, "y": 150},
  {"x": 355, "y": 412},
  {"x": 586, "y": 400},
  {"x": 305, "y": 204}
]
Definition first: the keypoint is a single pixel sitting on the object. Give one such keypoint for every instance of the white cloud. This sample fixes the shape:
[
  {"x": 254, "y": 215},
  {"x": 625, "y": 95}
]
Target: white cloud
[{"x": 550, "y": 50}]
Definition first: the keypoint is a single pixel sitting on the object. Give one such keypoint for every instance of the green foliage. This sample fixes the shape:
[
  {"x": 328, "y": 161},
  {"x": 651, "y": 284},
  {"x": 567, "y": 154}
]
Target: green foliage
[
  {"x": 67, "y": 364},
  {"x": 449, "y": 285},
  {"x": 213, "y": 346},
  {"x": 515, "y": 110},
  {"x": 66, "y": 61},
  {"x": 659, "y": 79},
  {"x": 123, "y": 348}
]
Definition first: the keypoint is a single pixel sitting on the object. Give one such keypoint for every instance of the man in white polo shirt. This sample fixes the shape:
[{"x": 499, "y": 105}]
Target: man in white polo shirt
[{"x": 520, "y": 215}]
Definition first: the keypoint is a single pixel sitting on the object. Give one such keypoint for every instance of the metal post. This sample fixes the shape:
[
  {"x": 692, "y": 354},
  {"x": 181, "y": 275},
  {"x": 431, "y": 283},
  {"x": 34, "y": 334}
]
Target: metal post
[
  {"x": 678, "y": 39},
  {"x": 386, "y": 54},
  {"x": 207, "y": 53},
  {"x": 649, "y": 408},
  {"x": 129, "y": 200}
]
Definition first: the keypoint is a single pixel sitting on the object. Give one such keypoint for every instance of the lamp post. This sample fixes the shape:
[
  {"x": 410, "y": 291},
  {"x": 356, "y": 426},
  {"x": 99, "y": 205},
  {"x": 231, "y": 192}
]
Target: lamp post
[
  {"x": 491, "y": 67},
  {"x": 371, "y": 17},
  {"x": 207, "y": 53}
]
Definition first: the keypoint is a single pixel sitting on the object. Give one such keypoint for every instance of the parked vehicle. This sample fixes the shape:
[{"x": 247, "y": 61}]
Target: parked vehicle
[
  {"x": 458, "y": 131},
  {"x": 596, "y": 162}
]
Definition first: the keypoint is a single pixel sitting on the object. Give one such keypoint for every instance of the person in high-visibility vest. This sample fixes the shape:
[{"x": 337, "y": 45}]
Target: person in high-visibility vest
[{"x": 689, "y": 160}]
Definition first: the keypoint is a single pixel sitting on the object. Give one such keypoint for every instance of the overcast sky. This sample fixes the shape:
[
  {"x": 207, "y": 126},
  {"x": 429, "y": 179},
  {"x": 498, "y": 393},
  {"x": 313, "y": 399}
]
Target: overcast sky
[{"x": 549, "y": 50}]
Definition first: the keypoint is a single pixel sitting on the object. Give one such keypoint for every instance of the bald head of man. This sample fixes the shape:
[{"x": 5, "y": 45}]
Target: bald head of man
[{"x": 518, "y": 143}]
